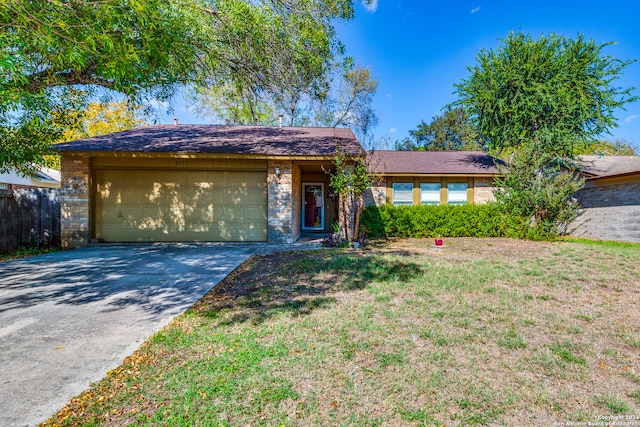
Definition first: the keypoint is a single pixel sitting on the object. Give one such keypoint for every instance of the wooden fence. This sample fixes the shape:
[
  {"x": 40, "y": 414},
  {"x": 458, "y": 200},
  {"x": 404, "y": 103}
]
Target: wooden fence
[{"x": 29, "y": 217}]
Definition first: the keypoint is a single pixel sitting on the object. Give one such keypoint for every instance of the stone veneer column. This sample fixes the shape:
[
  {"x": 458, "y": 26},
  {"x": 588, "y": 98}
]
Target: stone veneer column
[
  {"x": 296, "y": 203},
  {"x": 377, "y": 194},
  {"x": 483, "y": 190},
  {"x": 74, "y": 201},
  {"x": 280, "y": 202}
]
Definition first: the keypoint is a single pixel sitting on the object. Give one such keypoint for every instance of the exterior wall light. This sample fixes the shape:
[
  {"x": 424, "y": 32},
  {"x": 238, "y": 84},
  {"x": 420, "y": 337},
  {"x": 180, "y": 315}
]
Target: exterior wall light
[{"x": 278, "y": 173}]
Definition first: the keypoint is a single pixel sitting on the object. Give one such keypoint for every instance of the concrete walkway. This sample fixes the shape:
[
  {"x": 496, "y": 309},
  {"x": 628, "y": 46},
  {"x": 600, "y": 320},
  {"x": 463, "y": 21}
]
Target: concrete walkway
[{"x": 67, "y": 318}]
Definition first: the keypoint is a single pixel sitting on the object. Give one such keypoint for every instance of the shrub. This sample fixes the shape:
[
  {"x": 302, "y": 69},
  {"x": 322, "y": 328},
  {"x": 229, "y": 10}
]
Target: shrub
[{"x": 485, "y": 220}]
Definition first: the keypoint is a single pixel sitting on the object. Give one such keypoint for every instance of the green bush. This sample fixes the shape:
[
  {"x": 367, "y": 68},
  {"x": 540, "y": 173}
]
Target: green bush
[{"x": 485, "y": 220}]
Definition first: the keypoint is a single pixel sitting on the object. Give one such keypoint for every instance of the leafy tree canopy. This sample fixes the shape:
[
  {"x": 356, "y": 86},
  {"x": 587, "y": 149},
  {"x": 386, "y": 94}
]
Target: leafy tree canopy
[
  {"x": 345, "y": 99},
  {"x": 607, "y": 148},
  {"x": 538, "y": 102},
  {"x": 101, "y": 119},
  {"x": 553, "y": 92},
  {"x": 57, "y": 56},
  {"x": 451, "y": 131}
]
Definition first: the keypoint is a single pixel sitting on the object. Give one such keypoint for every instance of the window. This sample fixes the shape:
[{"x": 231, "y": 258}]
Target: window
[
  {"x": 430, "y": 193},
  {"x": 457, "y": 193},
  {"x": 402, "y": 193}
]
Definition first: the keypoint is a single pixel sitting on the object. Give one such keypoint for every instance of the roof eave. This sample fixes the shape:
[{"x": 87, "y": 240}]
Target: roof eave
[{"x": 186, "y": 155}]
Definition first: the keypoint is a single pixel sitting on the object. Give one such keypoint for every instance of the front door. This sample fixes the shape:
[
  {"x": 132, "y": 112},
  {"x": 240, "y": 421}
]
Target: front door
[{"x": 313, "y": 206}]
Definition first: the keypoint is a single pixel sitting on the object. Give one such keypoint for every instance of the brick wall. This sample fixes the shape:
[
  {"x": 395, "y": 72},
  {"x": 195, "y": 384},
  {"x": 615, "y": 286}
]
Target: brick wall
[
  {"x": 377, "y": 194},
  {"x": 296, "y": 202},
  {"x": 611, "y": 210},
  {"x": 280, "y": 201},
  {"x": 74, "y": 201},
  {"x": 483, "y": 190}
]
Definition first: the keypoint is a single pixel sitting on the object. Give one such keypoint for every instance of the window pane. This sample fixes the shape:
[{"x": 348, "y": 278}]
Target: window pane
[
  {"x": 457, "y": 193},
  {"x": 402, "y": 193},
  {"x": 430, "y": 193}
]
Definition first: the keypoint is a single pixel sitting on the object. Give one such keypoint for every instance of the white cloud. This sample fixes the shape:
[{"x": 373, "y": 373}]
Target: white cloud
[
  {"x": 159, "y": 105},
  {"x": 393, "y": 130},
  {"x": 475, "y": 9},
  {"x": 372, "y": 6},
  {"x": 630, "y": 118},
  {"x": 389, "y": 95}
]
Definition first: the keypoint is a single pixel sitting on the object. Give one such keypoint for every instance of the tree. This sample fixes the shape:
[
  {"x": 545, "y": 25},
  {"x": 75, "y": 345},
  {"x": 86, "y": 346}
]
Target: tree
[
  {"x": 232, "y": 104},
  {"x": 101, "y": 119},
  {"x": 451, "y": 131},
  {"x": 348, "y": 102},
  {"x": 96, "y": 119},
  {"x": 538, "y": 190},
  {"x": 607, "y": 148},
  {"x": 536, "y": 101},
  {"x": 57, "y": 56},
  {"x": 553, "y": 92},
  {"x": 54, "y": 55},
  {"x": 345, "y": 100},
  {"x": 350, "y": 181}
]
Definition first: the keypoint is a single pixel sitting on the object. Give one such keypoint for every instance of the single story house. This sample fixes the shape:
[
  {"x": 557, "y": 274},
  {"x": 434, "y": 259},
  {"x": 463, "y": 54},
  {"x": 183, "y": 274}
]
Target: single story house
[
  {"x": 200, "y": 183},
  {"x": 610, "y": 199},
  {"x": 40, "y": 177},
  {"x": 29, "y": 208},
  {"x": 270, "y": 184},
  {"x": 431, "y": 177}
]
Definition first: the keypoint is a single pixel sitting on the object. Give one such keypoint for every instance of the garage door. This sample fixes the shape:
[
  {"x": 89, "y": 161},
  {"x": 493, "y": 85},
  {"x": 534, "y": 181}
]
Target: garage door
[{"x": 180, "y": 206}]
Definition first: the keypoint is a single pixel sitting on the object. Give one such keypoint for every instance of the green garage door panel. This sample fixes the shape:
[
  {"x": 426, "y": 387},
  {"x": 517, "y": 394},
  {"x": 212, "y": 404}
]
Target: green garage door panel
[{"x": 180, "y": 206}]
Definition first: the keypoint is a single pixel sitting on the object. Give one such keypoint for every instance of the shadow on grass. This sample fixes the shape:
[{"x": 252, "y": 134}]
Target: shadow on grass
[{"x": 297, "y": 283}]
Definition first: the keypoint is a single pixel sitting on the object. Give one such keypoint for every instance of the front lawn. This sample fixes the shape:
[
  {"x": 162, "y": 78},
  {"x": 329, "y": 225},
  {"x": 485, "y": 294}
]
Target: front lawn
[{"x": 480, "y": 331}]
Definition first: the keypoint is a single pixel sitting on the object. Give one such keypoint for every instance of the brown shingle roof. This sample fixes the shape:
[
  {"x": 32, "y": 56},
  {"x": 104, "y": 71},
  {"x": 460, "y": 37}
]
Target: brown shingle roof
[
  {"x": 609, "y": 166},
  {"x": 432, "y": 162},
  {"x": 188, "y": 139}
]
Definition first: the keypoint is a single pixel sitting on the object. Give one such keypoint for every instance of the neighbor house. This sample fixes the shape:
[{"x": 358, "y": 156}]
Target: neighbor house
[
  {"x": 39, "y": 177},
  {"x": 29, "y": 208},
  {"x": 431, "y": 177},
  {"x": 200, "y": 183},
  {"x": 610, "y": 199}
]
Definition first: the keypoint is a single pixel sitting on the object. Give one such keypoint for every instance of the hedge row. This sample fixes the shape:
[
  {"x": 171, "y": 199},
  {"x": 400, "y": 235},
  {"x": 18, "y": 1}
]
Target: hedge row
[{"x": 485, "y": 220}]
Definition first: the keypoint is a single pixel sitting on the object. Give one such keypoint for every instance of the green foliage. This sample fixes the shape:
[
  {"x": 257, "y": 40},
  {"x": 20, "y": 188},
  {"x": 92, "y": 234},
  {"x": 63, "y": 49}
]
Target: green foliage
[
  {"x": 49, "y": 49},
  {"x": 24, "y": 251},
  {"x": 349, "y": 102},
  {"x": 101, "y": 119},
  {"x": 335, "y": 95},
  {"x": 485, "y": 220},
  {"x": 538, "y": 102},
  {"x": 57, "y": 57},
  {"x": 565, "y": 352},
  {"x": 452, "y": 131},
  {"x": 536, "y": 187},
  {"x": 552, "y": 93},
  {"x": 613, "y": 404},
  {"x": 232, "y": 104},
  {"x": 607, "y": 148},
  {"x": 350, "y": 178}
]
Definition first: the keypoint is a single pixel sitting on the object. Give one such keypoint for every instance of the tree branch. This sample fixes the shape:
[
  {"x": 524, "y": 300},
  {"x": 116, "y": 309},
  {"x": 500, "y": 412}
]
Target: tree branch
[{"x": 50, "y": 78}]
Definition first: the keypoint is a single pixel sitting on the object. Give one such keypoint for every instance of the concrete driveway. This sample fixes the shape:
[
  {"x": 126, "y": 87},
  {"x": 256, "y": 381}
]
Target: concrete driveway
[{"x": 67, "y": 318}]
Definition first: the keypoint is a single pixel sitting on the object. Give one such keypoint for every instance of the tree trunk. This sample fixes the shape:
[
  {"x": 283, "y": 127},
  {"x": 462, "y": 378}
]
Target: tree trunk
[
  {"x": 357, "y": 221},
  {"x": 345, "y": 217}
]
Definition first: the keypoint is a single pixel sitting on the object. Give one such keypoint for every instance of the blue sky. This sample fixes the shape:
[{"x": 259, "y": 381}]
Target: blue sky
[{"x": 418, "y": 49}]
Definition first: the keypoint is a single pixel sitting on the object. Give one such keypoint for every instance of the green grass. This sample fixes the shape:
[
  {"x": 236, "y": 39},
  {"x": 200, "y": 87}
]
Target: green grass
[
  {"x": 482, "y": 332},
  {"x": 611, "y": 243},
  {"x": 24, "y": 252},
  {"x": 565, "y": 351},
  {"x": 613, "y": 404}
]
